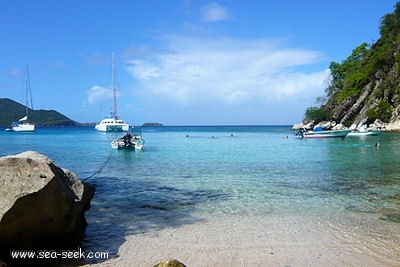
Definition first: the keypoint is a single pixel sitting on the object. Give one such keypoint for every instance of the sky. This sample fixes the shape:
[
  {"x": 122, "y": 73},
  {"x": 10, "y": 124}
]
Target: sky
[{"x": 180, "y": 62}]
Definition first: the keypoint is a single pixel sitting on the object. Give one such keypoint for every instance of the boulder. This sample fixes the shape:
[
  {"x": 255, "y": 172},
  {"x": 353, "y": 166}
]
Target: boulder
[
  {"x": 378, "y": 125},
  {"x": 339, "y": 127},
  {"x": 309, "y": 125},
  {"x": 297, "y": 126},
  {"x": 170, "y": 263},
  {"x": 326, "y": 125},
  {"x": 41, "y": 204}
]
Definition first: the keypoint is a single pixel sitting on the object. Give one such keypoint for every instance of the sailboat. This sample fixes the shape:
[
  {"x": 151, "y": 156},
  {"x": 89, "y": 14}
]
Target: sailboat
[
  {"x": 113, "y": 123},
  {"x": 23, "y": 125}
]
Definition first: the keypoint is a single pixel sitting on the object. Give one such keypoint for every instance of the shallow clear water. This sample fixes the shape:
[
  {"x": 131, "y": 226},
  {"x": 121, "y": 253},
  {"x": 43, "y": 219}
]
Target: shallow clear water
[{"x": 184, "y": 175}]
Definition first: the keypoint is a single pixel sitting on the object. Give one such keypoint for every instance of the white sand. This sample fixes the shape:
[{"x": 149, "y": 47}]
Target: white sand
[{"x": 268, "y": 241}]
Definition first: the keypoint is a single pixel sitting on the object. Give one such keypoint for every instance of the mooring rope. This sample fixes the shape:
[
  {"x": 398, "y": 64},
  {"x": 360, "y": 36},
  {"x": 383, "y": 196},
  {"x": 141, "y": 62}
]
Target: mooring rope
[{"x": 100, "y": 168}]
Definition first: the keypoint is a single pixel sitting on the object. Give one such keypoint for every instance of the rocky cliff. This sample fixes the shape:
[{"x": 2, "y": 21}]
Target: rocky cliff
[
  {"x": 365, "y": 87},
  {"x": 376, "y": 104}
]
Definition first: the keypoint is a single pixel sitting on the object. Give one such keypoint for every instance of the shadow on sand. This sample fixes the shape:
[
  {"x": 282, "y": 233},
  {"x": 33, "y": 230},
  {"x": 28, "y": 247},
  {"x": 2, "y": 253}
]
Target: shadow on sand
[{"x": 117, "y": 211}]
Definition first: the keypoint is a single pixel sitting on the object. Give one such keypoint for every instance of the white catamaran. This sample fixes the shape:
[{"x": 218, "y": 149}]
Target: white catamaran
[
  {"x": 113, "y": 123},
  {"x": 22, "y": 125}
]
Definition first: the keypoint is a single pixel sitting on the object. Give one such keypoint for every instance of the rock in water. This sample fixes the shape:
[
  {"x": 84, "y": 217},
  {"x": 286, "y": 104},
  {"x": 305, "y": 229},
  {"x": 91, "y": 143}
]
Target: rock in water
[{"x": 41, "y": 204}]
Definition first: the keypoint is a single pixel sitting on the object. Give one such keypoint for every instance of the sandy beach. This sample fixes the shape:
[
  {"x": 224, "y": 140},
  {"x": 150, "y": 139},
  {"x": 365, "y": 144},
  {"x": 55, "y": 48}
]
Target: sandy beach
[{"x": 276, "y": 240}]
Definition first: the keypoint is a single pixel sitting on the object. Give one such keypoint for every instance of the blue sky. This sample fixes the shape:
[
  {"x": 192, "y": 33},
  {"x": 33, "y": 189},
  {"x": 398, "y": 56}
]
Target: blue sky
[{"x": 181, "y": 62}]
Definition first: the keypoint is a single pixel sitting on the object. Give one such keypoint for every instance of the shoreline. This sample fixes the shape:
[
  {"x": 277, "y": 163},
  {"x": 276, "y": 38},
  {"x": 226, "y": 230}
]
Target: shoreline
[{"x": 271, "y": 240}]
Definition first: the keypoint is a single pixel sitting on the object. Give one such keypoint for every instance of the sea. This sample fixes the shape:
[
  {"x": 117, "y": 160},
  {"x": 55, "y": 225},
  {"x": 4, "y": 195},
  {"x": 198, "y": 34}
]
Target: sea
[{"x": 189, "y": 174}]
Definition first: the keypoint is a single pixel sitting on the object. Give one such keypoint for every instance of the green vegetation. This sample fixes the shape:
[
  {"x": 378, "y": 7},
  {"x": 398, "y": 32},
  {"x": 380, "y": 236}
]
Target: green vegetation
[
  {"x": 12, "y": 111},
  {"x": 366, "y": 64},
  {"x": 317, "y": 114},
  {"x": 349, "y": 77},
  {"x": 383, "y": 112}
]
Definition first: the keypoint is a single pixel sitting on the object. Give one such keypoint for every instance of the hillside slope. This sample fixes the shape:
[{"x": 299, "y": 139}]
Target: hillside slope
[
  {"x": 12, "y": 111},
  {"x": 365, "y": 87}
]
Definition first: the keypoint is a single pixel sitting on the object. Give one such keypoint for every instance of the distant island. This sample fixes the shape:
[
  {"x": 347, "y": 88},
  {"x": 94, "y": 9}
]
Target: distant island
[
  {"x": 11, "y": 110},
  {"x": 152, "y": 124}
]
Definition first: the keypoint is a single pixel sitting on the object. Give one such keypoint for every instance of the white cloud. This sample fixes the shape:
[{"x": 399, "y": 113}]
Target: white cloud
[
  {"x": 97, "y": 95},
  {"x": 198, "y": 72},
  {"x": 213, "y": 12},
  {"x": 15, "y": 72}
]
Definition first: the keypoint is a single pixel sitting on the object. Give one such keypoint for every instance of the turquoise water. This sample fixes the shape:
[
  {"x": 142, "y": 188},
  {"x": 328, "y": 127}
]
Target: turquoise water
[{"x": 185, "y": 176}]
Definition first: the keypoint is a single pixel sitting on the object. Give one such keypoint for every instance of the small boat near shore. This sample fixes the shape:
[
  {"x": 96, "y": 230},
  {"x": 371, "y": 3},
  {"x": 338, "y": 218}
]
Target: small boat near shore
[
  {"x": 128, "y": 142},
  {"x": 370, "y": 133},
  {"x": 318, "y": 133},
  {"x": 363, "y": 132}
]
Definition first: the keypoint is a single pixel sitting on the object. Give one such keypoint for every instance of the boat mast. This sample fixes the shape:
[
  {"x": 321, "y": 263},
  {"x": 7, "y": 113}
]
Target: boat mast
[
  {"x": 27, "y": 89},
  {"x": 114, "y": 89}
]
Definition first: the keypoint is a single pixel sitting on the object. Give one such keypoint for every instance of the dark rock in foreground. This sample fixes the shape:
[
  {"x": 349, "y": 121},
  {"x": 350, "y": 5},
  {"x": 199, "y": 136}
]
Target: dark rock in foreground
[
  {"x": 41, "y": 204},
  {"x": 170, "y": 263}
]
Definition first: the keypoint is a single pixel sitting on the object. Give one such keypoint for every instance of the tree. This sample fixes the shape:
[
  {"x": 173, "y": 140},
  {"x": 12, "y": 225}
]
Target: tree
[
  {"x": 317, "y": 114},
  {"x": 349, "y": 74},
  {"x": 390, "y": 24},
  {"x": 336, "y": 82}
]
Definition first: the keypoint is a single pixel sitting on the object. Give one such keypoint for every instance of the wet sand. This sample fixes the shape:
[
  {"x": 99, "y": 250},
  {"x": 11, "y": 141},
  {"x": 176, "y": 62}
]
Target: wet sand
[{"x": 275, "y": 240}]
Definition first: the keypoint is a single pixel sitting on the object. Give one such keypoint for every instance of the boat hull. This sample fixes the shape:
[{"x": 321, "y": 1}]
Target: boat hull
[
  {"x": 356, "y": 134},
  {"x": 117, "y": 128},
  {"x": 326, "y": 134},
  {"x": 121, "y": 144},
  {"x": 26, "y": 127},
  {"x": 111, "y": 125}
]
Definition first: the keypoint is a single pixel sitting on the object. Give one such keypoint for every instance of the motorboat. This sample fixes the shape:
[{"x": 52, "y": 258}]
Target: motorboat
[
  {"x": 320, "y": 133},
  {"x": 369, "y": 133},
  {"x": 363, "y": 132},
  {"x": 128, "y": 142}
]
